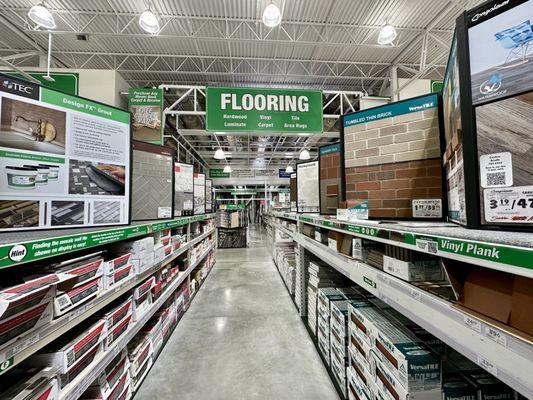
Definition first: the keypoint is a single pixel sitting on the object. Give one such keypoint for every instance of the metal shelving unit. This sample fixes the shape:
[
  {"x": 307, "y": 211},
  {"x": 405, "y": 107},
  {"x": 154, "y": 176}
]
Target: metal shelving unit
[
  {"x": 31, "y": 342},
  {"x": 496, "y": 349},
  {"x": 76, "y": 388}
]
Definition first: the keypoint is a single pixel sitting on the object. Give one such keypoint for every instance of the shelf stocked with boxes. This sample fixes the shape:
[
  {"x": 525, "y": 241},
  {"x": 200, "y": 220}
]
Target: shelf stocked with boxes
[
  {"x": 41, "y": 303},
  {"x": 504, "y": 352},
  {"x": 115, "y": 349}
]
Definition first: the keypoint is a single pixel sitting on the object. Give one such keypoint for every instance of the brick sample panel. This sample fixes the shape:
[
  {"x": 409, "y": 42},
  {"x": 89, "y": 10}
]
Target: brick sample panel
[
  {"x": 152, "y": 182},
  {"x": 392, "y": 159},
  {"x": 330, "y": 178}
]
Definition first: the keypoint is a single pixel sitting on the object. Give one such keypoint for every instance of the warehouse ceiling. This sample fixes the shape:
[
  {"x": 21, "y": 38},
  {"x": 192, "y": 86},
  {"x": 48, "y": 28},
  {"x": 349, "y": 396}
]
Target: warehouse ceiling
[{"x": 324, "y": 44}]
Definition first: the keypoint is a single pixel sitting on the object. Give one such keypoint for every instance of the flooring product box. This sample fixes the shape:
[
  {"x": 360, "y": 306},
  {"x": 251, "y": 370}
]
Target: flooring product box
[
  {"x": 118, "y": 313},
  {"x": 338, "y": 367},
  {"x": 357, "y": 390},
  {"x": 488, "y": 387},
  {"x": 142, "y": 298},
  {"x": 358, "y": 347},
  {"x": 152, "y": 182},
  {"x": 118, "y": 330},
  {"x": 108, "y": 379},
  {"x": 29, "y": 384},
  {"x": 455, "y": 386},
  {"x": 121, "y": 275},
  {"x": 117, "y": 262},
  {"x": 70, "y": 348},
  {"x": 140, "y": 351},
  {"x": 392, "y": 159},
  {"x": 26, "y": 306},
  {"x": 361, "y": 377},
  {"x": 100, "y": 392},
  {"x": 415, "y": 271},
  {"x": 66, "y": 301},
  {"x": 78, "y": 271},
  {"x": 138, "y": 247}
]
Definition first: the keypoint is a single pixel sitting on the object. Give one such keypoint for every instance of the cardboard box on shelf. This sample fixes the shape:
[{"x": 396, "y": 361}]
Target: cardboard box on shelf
[
  {"x": 429, "y": 270},
  {"x": 118, "y": 313},
  {"x": 358, "y": 347},
  {"x": 30, "y": 383},
  {"x": 357, "y": 390},
  {"x": 498, "y": 295},
  {"x": 136, "y": 247},
  {"x": 119, "y": 276},
  {"x": 455, "y": 386},
  {"x": 64, "y": 352},
  {"x": 364, "y": 377},
  {"x": 118, "y": 330},
  {"x": 108, "y": 379},
  {"x": 488, "y": 387},
  {"x": 80, "y": 270},
  {"x": 144, "y": 262},
  {"x": 338, "y": 367},
  {"x": 117, "y": 262},
  {"x": 81, "y": 365},
  {"x": 99, "y": 392},
  {"x": 333, "y": 239},
  {"x": 140, "y": 351},
  {"x": 65, "y": 301}
]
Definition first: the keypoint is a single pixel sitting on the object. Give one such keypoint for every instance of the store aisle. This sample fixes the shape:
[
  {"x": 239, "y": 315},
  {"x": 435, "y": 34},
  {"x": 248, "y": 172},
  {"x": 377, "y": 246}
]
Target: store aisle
[{"x": 241, "y": 339}]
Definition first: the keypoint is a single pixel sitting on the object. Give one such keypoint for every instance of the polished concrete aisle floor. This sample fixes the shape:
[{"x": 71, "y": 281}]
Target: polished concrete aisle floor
[{"x": 242, "y": 338}]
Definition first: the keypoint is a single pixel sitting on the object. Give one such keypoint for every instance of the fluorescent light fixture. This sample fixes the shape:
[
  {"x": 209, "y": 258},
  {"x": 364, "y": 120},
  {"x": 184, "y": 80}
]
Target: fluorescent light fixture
[
  {"x": 42, "y": 16},
  {"x": 271, "y": 15},
  {"x": 289, "y": 155},
  {"x": 387, "y": 34},
  {"x": 219, "y": 155},
  {"x": 304, "y": 155},
  {"x": 289, "y": 169},
  {"x": 227, "y": 169},
  {"x": 148, "y": 22},
  {"x": 261, "y": 149}
]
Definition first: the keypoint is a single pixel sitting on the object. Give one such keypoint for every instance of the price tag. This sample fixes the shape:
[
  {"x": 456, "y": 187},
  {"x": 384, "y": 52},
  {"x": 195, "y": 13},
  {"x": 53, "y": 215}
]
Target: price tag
[
  {"x": 496, "y": 335},
  {"x": 472, "y": 323},
  {"x": 487, "y": 365},
  {"x": 509, "y": 204},
  {"x": 25, "y": 344},
  {"x": 427, "y": 245},
  {"x": 427, "y": 208}
]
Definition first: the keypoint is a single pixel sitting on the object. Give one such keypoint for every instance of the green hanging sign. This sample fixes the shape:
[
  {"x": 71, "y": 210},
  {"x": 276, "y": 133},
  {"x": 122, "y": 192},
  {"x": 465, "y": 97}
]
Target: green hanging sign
[
  {"x": 67, "y": 82},
  {"x": 218, "y": 173},
  {"x": 265, "y": 110}
]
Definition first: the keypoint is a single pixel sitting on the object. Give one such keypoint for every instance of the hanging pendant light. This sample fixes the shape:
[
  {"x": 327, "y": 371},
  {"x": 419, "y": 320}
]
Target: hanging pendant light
[
  {"x": 148, "y": 22},
  {"x": 271, "y": 15},
  {"x": 219, "y": 154},
  {"x": 227, "y": 169},
  {"x": 289, "y": 169},
  {"x": 42, "y": 16},
  {"x": 304, "y": 155},
  {"x": 387, "y": 34}
]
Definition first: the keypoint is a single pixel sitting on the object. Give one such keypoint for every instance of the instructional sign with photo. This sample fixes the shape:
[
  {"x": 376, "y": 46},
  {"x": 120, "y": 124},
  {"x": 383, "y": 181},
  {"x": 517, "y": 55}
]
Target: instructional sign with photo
[
  {"x": 308, "y": 187},
  {"x": 64, "y": 160}
]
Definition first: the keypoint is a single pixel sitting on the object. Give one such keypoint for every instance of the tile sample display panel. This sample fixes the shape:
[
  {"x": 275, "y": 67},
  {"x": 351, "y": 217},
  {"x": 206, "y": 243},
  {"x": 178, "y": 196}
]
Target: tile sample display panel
[
  {"x": 183, "y": 189},
  {"x": 308, "y": 187},
  {"x": 330, "y": 178},
  {"x": 392, "y": 159},
  {"x": 152, "y": 181},
  {"x": 199, "y": 193}
]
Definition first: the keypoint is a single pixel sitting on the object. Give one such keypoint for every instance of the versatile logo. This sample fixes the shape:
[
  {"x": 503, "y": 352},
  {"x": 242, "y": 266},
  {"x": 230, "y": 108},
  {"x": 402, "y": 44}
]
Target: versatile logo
[
  {"x": 17, "y": 253},
  {"x": 20, "y": 88},
  {"x": 492, "y": 85},
  {"x": 485, "y": 13}
]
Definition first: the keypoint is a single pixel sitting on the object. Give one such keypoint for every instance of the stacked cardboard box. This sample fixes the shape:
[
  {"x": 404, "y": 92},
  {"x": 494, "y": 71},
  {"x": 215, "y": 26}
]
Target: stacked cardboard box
[
  {"x": 140, "y": 354},
  {"x": 118, "y": 320},
  {"x": 325, "y": 296},
  {"x": 320, "y": 275},
  {"x": 32, "y": 383},
  {"x": 300, "y": 296},
  {"x": 73, "y": 352},
  {"x": 411, "y": 266},
  {"x": 388, "y": 360},
  {"x": 117, "y": 270},
  {"x": 142, "y": 253},
  {"x": 142, "y": 298}
]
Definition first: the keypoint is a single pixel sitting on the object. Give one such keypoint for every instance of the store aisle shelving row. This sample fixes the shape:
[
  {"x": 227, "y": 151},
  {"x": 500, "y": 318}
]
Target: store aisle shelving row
[{"x": 491, "y": 345}]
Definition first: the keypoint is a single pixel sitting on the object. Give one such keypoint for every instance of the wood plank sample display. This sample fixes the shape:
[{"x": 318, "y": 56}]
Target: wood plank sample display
[
  {"x": 493, "y": 107},
  {"x": 330, "y": 178},
  {"x": 392, "y": 158}
]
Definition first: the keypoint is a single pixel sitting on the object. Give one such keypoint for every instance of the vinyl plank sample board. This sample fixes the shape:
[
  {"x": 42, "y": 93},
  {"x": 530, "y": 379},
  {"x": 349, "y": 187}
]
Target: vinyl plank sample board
[
  {"x": 183, "y": 189},
  {"x": 199, "y": 193},
  {"x": 307, "y": 179},
  {"x": 63, "y": 159},
  {"x": 294, "y": 193},
  {"x": 152, "y": 182}
]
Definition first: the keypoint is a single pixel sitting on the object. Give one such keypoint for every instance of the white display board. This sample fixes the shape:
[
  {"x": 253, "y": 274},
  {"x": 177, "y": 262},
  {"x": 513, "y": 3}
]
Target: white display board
[
  {"x": 307, "y": 180},
  {"x": 64, "y": 160},
  {"x": 199, "y": 193},
  {"x": 183, "y": 189},
  {"x": 208, "y": 195}
]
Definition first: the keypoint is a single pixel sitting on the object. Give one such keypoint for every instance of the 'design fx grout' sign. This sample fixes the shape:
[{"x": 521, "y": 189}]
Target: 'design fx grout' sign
[{"x": 268, "y": 110}]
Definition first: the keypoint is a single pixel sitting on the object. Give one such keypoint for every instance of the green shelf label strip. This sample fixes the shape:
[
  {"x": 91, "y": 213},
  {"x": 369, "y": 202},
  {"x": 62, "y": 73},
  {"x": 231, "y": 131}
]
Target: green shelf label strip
[
  {"x": 506, "y": 255},
  {"x": 24, "y": 252}
]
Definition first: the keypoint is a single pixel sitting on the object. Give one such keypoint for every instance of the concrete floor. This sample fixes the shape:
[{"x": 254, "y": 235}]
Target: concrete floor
[{"x": 242, "y": 338}]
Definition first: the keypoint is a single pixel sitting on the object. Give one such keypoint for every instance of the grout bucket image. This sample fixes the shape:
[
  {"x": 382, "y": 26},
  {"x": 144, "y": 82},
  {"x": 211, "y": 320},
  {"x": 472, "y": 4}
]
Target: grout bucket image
[
  {"x": 42, "y": 174},
  {"x": 21, "y": 177},
  {"x": 54, "y": 171}
]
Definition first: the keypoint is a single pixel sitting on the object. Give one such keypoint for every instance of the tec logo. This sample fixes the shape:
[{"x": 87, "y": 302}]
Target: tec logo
[
  {"x": 17, "y": 253},
  {"x": 492, "y": 85}
]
